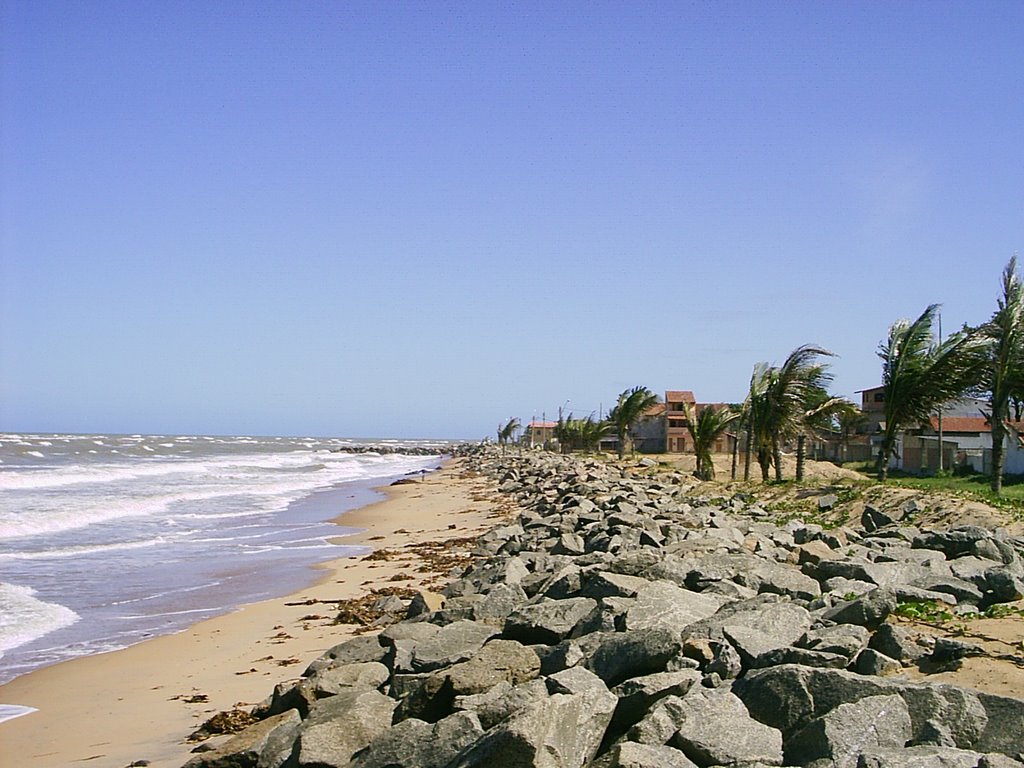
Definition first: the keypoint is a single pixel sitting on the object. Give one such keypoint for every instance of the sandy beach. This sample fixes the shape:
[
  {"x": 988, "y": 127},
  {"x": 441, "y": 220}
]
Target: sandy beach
[{"x": 141, "y": 703}]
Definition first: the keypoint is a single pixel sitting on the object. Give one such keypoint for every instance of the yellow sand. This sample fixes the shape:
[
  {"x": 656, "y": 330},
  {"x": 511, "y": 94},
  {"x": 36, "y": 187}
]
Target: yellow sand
[{"x": 131, "y": 705}]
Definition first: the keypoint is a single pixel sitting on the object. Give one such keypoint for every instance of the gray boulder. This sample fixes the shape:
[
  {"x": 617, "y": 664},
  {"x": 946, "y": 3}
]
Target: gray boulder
[
  {"x": 355, "y": 651},
  {"x": 502, "y": 701},
  {"x": 548, "y": 622},
  {"x": 629, "y": 754},
  {"x": 452, "y": 643},
  {"x": 789, "y": 697},
  {"x": 267, "y": 744},
  {"x": 919, "y": 757},
  {"x": 559, "y": 731},
  {"x": 631, "y": 654},
  {"x": 416, "y": 744},
  {"x": 661, "y": 604},
  {"x": 332, "y": 681},
  {"x": 339, "y": 726},
  {"x": 716, "y": 729},
  {"x": 847, "y": 730},
  {"x": 868, "y": 611}
]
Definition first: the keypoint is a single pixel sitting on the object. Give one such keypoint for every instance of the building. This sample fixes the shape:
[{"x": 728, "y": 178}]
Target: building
[
  {"x": 539, "y": 433},
  {"x": 677, "y": 434}
]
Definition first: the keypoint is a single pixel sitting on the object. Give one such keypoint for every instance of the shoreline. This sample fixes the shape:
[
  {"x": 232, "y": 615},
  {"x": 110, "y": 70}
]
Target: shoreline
[{"x": 141, "y": 702}]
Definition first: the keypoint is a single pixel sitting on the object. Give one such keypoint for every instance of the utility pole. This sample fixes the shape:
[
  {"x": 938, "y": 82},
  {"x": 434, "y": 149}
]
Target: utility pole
[{"x": 941, "y": 405}]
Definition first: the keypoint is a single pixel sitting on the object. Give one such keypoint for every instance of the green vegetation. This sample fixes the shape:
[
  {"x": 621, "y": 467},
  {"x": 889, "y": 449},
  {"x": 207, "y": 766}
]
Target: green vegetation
[
  {"x": 781, "y": 402},
  {"x": 919, "y": 376},
  {"x": 973, "y": 486},
  {"x": 705, "y": 428},
  {"x": 928, "y": 611},
  {"x": 632, "y": 404}
]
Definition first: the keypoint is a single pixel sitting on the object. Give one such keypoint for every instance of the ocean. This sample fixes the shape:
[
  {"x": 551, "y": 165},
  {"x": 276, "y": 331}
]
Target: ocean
[{"x": 106, "y": 540}]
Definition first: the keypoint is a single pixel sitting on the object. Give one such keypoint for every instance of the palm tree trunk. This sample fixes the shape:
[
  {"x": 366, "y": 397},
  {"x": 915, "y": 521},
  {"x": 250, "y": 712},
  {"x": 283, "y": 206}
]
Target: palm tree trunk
[
  {"x": 747, "y": 457},
  {"x": 735, "y": 456},
  {"x": 622, "y": 444},
  {"x": 777, "y": 454},
  {"x": 800, "y": 448},
  {"x": 764, "y": 459},
  {"x": 998, "y": 454}
]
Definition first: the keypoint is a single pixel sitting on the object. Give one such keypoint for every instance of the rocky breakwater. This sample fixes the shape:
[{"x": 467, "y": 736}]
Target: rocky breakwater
[{"x": 620, "y": 621}]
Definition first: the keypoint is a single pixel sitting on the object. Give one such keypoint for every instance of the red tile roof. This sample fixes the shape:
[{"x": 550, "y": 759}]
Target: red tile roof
[
  {"x": 967, "y": 424},
  {"x": 679, "y": 396},
  {"x": 543, "y": 424}
]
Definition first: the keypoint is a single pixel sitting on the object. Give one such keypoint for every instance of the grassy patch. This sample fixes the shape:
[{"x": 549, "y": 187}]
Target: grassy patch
[
  {"x": 924, "y": 610},
  {"x": 973, "y": 486}
]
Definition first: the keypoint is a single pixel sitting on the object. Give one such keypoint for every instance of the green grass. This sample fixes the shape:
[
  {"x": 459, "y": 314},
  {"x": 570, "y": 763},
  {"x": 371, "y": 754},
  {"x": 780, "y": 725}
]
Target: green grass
[{"x": 973, "y": 486}]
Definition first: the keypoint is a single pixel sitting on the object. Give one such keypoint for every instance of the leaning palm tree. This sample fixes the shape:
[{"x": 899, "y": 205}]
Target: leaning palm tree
[
  {"x": 705, "y": 428},
  {"x": 790, "y": 396},
  {"x": 632, "y": 404},
  {"x": 507, "y": 433},
  {"x": 780, "y": 401},
  {"x": 580, "y": 434},
  {"x": 756, "y": 420},
  {"x": 920, "y": 376},
  {"x": 1002, "y": 366},
  {"x": 823, "y": 411}
]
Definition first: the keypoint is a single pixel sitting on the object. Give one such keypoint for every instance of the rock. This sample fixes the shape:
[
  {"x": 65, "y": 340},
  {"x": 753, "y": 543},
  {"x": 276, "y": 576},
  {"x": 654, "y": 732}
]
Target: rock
[
  {"x": 608, "y": 584},
  {"x": 725, "y": 663},
  {"x": 847, "y": 730},
  {"x": 770, "y": 614},
  {"x": 788, "y": 697},
  {"x": 868, "y": 611},
  {"x": 661, "y": 604},
  {"x": 269, "y": 739},
  {"x": 564, "y": 729},
  {"x": 845, "y": 639},
  {"x": 355, "y": 651},
  {"x": 919, "y": 757},
  {"x": 452, "y": 643},
  {"x": 827, "y": 502},
  {"x": 629, "y": 754},
  {"x": 872, "y": 662},
  {"x": 632, "y": 654},
  {"x": 716, "y": 729},
  {"x": 423, "y": 745},
  {"x": 549, "y": 621},
  {"x": 329, "y": 682},
  {"x": 895, "y": 643},
  {"x": 424, "y": 602},
  {"x": 339, "y": 726},
  {"x": 503, "y": 701},
  {"x": 498, "y": 661},
  {"x": 637, "y": 695}
]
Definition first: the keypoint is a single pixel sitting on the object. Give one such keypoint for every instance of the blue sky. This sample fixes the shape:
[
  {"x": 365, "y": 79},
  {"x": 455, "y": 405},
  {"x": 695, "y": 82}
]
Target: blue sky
[{"x": 419, "y": 219}]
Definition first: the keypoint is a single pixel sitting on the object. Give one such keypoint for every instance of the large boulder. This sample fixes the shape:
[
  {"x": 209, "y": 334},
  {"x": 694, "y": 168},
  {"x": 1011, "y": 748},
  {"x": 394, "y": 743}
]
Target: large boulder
[
  {"x": 339, "y": 726},
  {"x": 847, "y": 730},
  {"x": 420, "y": 744},
  {"x": 563, "y": 730},
  {"x": 716, "y": 729},
  {"x": 623, "y": 655},
  {"x": 789, "y": 697},
  {"x": 661, "y": 604},
  {"x": 629, "y": 754},
  {"x": 267, "y": 743},
  {"x": 549, "y": 621}
]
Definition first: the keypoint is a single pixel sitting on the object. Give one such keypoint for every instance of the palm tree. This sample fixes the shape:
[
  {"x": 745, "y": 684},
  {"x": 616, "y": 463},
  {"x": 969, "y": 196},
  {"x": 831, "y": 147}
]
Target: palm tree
[
  {"x": 632, "y": 404},
  {"x": 1002, "y": 369},
  {"x": 919, "y": 376},
  {"x": 580, "y": 434},
  {"x": 507, "y": 433},
  {"x": 705, "y": 428},
  {"x": 780, "y": 402},
  {"x": 849, "y": 419},
  {"x": 755, "y": 418},
  {"x": 823, "y": 410}
]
